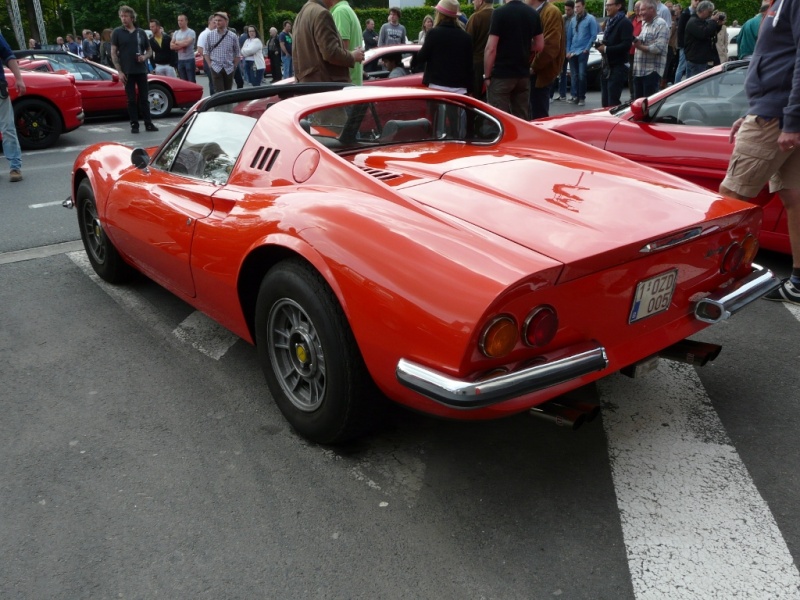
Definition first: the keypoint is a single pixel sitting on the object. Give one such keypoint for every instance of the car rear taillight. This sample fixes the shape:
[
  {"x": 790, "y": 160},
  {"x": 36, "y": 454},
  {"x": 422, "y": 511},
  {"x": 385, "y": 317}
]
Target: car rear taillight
[
  {"x": 750, "y": 249},
  {"x": 540, "y": 326},
  {"x": 499, "y": 337},
  {"x": 732, "y": 259}
]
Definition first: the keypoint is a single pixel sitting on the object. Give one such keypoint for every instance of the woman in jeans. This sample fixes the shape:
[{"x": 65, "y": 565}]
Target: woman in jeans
[{"x": 252, "y": 50}]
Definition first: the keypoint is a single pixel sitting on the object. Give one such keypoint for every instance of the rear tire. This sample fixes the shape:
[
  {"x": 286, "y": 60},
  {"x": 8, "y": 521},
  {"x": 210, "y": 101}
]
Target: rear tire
[
  {"x": 38, "y": 123},
  {"x": 105, "y": 259},
  {"x": 312, "y": 364}
]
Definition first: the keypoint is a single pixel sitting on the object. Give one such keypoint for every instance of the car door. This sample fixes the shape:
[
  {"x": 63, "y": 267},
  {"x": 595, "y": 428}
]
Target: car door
[
  {"x": 151, "y": 213},
  {"x": 101, "y": 89}
]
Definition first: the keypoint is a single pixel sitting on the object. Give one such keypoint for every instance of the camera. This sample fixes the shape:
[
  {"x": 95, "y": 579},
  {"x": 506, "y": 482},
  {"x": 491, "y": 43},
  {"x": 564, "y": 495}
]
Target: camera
[{"x": 721, "y": 17}]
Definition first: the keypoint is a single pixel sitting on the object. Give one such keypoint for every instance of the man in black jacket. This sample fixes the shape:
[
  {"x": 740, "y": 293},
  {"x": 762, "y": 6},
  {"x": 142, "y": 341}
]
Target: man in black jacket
[
  {"x": 700, "y": 39},
  {"x": 616, "y": 46},
  {"x": 686, "y": 14}
]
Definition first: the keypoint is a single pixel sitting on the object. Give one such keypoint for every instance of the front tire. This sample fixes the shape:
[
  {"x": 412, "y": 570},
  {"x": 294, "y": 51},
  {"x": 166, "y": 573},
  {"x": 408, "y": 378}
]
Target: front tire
[
  {"x": 105, "y": 259},
  {"x": 312, "y": 364},
  {"x": 160, "y": 100},
  {"x": 38, "y": 123}
]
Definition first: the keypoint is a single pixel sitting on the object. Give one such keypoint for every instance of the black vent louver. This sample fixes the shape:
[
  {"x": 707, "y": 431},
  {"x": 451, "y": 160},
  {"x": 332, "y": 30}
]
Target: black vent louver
[
  {"x": 264, "y": 158},
  {"x": 380, "y": 174}
]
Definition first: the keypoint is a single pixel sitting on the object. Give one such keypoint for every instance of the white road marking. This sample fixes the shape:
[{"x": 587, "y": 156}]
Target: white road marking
[
  {"x": 205, "y": 335},
  {"x": 199, "y": 331},
  {"x": 694, "y": 524},
  {"x": 46, "y": 204},
  {"x": 39, "y": 252}
]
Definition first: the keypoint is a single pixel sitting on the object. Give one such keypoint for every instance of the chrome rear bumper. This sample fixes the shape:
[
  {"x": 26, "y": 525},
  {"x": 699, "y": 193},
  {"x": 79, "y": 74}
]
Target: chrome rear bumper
[
  {"x": 557, "y": 367},
  {"x": 721, "y": 305}
]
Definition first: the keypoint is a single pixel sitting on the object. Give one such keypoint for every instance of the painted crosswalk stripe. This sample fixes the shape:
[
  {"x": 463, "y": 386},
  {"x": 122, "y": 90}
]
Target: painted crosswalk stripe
[
  {"x": 205, "y": 335},
  {"x": 197, "y": 330},
  {"x": 694, "y": 524}
]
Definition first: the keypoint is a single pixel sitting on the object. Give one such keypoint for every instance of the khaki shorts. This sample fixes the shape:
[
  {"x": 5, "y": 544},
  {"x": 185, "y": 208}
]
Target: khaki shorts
[{"x": 756, "y": 159}]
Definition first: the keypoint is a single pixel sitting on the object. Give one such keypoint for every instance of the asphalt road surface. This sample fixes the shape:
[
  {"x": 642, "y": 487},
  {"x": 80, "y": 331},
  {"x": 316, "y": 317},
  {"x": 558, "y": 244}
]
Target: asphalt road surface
[{"x": 142, "y": 457}]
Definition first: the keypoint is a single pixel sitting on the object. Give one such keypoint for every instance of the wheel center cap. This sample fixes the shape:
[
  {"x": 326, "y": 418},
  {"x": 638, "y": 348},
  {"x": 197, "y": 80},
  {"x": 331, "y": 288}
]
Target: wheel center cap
[{"x": 301, "y": 353}]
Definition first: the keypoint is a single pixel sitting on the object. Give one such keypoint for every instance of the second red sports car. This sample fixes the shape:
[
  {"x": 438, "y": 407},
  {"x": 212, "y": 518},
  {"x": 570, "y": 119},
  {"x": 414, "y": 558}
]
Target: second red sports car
[
  {"x": 683, "y": 130},
  {"x": 100, "y": 87},
  {"x": 51, "y": 106}
]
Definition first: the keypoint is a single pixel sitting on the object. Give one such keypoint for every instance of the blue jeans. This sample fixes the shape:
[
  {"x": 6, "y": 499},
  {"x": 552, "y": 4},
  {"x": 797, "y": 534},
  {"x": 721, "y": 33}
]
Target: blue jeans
[
  {"x": 577, "y": 73},
  {"x": 11, "y": 147},
  {"x": 186, "y": 70},
  {"x": 681, "y": 72},
  {"x": 611, "y": 88},
  {"x": 562, "y": 80},
  {"x": 255, "y": 77},
  {"x": 286, "y": 62},
  {"x": 695, "y": 68}
]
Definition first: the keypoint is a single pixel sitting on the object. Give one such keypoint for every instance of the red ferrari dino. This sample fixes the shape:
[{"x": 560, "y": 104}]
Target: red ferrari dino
[{"x": 419, "y": 245}]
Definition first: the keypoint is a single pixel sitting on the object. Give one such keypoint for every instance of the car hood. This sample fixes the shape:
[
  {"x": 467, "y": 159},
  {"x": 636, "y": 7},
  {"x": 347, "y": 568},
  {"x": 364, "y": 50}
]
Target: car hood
[{"x": 585, "y": 215}]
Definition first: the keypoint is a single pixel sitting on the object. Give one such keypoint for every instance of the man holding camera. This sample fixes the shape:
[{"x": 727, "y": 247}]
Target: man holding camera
[{"x": 700, "y": 39}]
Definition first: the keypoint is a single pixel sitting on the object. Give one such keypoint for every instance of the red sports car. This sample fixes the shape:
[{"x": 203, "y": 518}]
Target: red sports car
[
  {"x": 682, "y": 130},
  {"x": 416, "y": 244},
  {"x": 101, "y": 89},
  {"x": 51, "y": 106}
]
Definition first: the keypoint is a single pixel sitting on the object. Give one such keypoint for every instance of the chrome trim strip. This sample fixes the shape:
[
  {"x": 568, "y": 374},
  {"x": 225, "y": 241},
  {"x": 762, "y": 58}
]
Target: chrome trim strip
[
  {"x": 560, "y": 366},
  {"x": 721, "y": 305},
  {"x": 673, "y": 240}
]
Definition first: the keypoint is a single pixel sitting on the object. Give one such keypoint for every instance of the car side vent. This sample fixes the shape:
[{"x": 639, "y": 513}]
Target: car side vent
[
  {"x": 264, "y": 158},
  {"x": 380, "y": 174}
]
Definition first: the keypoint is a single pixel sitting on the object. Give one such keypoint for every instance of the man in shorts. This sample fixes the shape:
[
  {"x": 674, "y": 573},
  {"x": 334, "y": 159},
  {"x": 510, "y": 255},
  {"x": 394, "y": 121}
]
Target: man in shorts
[{"x": 768, "y": 138}]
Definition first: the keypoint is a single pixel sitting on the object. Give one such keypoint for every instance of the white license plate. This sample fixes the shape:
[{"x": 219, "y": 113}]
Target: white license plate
[{"x": 653, "y": 295}]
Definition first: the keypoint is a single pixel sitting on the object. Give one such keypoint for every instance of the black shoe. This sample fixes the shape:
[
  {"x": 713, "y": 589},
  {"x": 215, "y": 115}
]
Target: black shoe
[
  {"x": 150, "y": 127},
  {"x": 787, "y": 292},
  {"x": 135, "y": 129}
]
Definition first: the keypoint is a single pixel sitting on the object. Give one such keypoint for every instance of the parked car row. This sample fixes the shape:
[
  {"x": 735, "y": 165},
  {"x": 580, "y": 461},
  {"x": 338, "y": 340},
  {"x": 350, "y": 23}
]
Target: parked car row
[{"x": 58, "y": 82}]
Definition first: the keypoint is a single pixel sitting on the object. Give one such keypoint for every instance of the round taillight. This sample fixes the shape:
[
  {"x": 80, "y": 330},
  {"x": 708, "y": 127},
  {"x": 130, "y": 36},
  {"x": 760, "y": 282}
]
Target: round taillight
[
  {"x": 499, "y": 337},
  {"x": 750, "y": 249},
  {"x": 540, "y": 326},
  {"x": 732, "y": 259}
]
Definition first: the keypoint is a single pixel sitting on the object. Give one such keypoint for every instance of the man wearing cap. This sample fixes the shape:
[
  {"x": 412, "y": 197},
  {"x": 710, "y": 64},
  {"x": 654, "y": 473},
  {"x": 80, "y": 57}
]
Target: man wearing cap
[
  {"x": 478, "y": 29},
  {"x": 318, "y": 53},
  {"x": 222, "y": 52},
  {"x": 514, "y": 33}
]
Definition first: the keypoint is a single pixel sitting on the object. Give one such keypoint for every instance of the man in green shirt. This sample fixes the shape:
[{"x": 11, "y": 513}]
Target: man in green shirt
[{"x": 350, "y": 29}]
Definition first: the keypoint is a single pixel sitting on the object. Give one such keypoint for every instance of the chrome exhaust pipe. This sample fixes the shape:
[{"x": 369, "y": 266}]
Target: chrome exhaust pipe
[
  {"x": 573, "y": 409},
  {"x": 691, "y": 352},
  {"x": 560, "y": 415}
]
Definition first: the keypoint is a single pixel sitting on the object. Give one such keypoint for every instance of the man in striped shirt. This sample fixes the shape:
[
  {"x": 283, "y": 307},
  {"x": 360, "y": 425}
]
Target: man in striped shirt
[{"x": 650, "y": 57}]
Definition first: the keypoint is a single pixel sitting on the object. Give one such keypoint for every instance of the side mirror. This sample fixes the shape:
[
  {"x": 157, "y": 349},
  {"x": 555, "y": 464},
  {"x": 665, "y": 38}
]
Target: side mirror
[
  {"x": 139, "y": 158},
  {"x": 639, "y": 109},
  {"x": 115, "y": 77}
]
